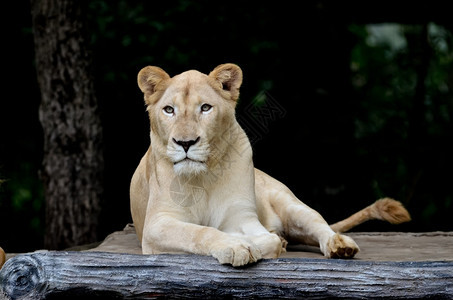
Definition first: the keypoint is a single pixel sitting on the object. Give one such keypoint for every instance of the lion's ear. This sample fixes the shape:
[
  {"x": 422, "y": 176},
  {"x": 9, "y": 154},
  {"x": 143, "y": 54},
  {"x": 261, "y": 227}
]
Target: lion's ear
[
  {"x": 149, "y": 77},
  {"x": 230, "y": 78}
]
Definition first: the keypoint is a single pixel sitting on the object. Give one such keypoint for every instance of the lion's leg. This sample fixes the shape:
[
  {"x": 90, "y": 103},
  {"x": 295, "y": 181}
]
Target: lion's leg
[
  {"x": 170, "y": 235},
  {"x": 269, "y": 244},
  {"x": 305, "y": 225},
  {"x": 298, "y": 222}
]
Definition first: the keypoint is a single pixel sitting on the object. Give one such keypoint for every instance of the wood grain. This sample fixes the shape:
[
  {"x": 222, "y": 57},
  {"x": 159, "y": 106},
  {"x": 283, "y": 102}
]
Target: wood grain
[{"x": 43, "y": 275}]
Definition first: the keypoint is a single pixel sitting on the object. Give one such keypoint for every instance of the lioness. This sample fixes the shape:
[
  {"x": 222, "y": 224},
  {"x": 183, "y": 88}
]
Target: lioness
[{"x": 196, "y": 189}]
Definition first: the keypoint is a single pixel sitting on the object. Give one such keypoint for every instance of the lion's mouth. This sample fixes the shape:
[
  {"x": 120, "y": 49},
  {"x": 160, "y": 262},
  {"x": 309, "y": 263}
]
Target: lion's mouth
[
  {"x": 189, "y": 166},
  {"x": 187, "y": 159}
]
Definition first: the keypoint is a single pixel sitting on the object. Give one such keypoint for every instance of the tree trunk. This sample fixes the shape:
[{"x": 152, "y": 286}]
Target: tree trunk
[{"x": 69, "y": 114}]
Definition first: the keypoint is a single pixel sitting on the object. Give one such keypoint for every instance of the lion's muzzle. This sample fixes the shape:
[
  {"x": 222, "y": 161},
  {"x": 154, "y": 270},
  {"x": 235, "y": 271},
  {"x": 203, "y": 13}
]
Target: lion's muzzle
[{"x": 186, "y": 144}]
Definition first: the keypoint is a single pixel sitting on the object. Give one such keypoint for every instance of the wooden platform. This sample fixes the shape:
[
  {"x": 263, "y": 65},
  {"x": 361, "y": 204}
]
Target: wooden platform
[
  {"x": 390, "y": 265},
  {"x": 374, "y": 246}
]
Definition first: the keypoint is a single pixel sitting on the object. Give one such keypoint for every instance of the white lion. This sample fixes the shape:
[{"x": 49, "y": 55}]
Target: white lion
[{"x": 196, "y": 189}]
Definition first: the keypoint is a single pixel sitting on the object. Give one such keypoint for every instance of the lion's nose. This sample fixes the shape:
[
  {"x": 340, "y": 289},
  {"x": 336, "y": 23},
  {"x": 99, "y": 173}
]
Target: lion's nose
[{"x": 186, "y": 144}]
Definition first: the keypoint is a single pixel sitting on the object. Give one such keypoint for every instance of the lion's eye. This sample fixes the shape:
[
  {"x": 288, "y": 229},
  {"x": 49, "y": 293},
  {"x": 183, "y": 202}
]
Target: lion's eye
[
  {"x": 168, "y": 110},
  {"x": 206, "y": 107}
]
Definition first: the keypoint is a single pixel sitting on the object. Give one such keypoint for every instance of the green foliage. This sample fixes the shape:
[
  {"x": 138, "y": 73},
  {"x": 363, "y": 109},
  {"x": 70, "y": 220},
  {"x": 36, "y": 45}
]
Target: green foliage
[
  {"x": 22, "y": 205},
  {"x": 386, "y": 75}
]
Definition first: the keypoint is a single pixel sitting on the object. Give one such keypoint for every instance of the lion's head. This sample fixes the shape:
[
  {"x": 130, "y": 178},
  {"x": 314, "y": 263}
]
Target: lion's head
[{"x": 188, "y": 111}]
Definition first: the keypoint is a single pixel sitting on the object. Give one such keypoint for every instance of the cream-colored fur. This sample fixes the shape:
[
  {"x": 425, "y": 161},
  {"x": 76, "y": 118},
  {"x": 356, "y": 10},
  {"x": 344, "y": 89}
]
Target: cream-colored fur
[{"x": 196, "y": 189}]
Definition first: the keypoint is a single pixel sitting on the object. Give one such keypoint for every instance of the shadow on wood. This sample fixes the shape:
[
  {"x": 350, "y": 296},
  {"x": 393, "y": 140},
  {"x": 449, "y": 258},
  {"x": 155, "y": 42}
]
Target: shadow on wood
[{"x": 50, "y": 275}]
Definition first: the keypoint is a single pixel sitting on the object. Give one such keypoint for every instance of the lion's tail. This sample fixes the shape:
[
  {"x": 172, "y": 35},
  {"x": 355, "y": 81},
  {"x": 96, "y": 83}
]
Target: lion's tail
[{"x": 385, "y": 209}]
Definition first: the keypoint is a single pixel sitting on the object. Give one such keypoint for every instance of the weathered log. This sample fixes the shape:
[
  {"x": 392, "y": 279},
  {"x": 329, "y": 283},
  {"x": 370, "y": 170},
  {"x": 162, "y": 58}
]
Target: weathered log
[{"x": 50, "y": 275}]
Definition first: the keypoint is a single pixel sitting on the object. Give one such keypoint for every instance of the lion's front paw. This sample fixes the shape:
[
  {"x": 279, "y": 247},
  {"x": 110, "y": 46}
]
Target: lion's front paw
[
  {"x": 270, "y": 245},
  {"x": 236, "y": 252},
  {"x": 341, "y": 246}
]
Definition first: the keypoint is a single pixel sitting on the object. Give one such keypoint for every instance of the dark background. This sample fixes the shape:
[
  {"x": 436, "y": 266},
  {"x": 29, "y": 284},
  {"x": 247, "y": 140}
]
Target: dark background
[{"x": 357, "y": 118}]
